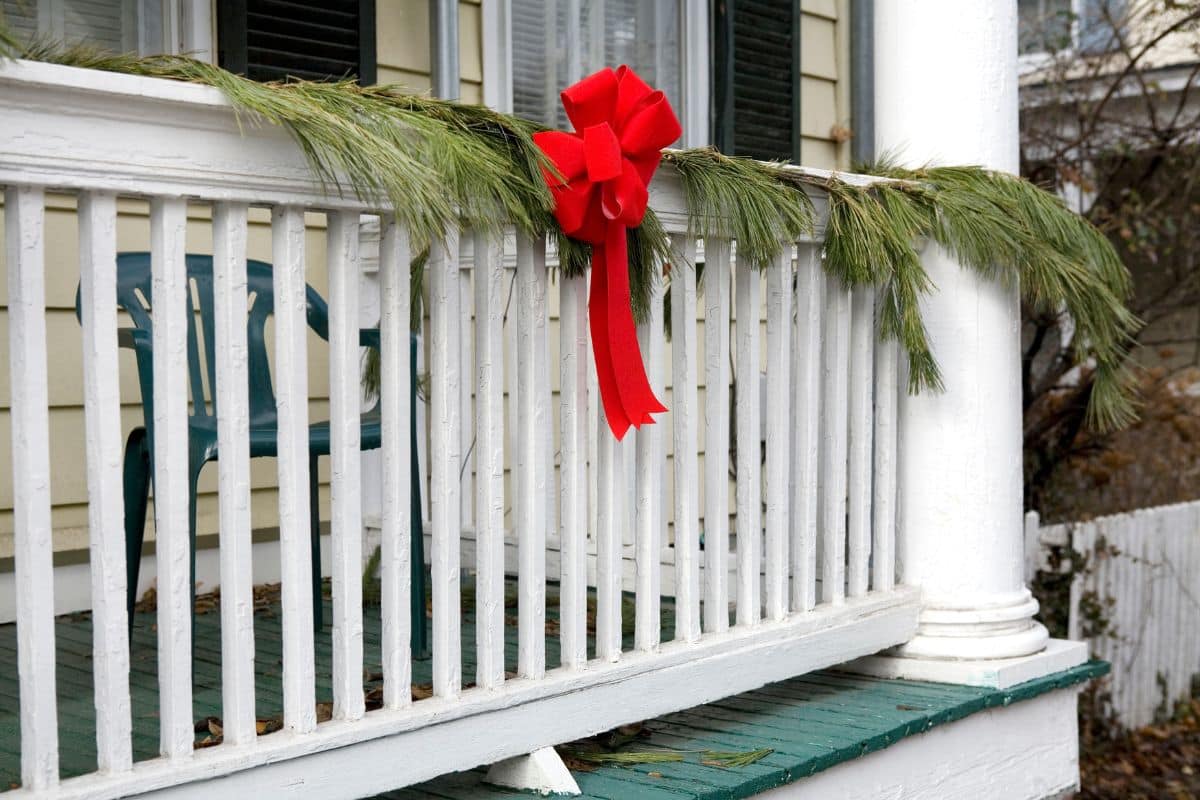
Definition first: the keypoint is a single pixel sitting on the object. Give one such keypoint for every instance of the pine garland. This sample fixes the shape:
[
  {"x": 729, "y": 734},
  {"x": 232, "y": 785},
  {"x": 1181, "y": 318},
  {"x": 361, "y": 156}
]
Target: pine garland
[{"x": 438, "y": 163}]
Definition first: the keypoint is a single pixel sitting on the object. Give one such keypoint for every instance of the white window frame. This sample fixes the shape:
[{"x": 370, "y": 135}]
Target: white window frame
[
  {"x": 188, "y": 25},
  {"x": 1040, "y": 59},
  {"x": 694, "y": 63}
]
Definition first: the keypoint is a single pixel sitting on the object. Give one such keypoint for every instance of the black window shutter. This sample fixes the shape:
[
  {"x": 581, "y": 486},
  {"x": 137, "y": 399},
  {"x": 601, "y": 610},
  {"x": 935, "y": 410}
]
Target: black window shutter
[
  {"x": 756, "y": 80},
  {"x": 310, "y": 39}
]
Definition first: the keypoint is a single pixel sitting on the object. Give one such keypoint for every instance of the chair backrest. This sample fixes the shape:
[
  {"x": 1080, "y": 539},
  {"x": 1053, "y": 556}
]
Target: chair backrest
[{"x": 134, "y": 295}]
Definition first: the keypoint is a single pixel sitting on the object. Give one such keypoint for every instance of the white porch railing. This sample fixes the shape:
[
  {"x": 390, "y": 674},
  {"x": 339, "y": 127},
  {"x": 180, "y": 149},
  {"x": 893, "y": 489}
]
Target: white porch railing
[{"x": 827, "y": 482}]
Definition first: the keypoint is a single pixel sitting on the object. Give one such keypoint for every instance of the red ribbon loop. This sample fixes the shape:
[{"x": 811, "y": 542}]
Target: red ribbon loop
[{"x": 600, "y": 191}]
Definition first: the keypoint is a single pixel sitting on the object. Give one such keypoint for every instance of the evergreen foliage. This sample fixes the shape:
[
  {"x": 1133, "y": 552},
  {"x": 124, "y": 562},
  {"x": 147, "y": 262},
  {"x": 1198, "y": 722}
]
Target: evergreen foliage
[{"x": 437, "y": 163}]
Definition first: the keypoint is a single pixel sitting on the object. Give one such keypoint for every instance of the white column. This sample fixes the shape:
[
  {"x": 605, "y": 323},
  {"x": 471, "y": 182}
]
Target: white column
[{"x": 946, "y": 93}]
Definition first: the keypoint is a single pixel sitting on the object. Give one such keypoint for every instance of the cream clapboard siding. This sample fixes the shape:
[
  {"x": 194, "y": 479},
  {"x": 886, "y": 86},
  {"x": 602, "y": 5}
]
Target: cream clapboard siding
[
  {"x": 403, "y": 58},
  {"x": 402, "y": 42},
  {"x": 824, "y": 84}
]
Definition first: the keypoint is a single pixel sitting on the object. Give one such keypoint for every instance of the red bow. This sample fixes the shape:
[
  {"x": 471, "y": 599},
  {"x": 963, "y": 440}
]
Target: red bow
[{"x": 621, "y": 126}]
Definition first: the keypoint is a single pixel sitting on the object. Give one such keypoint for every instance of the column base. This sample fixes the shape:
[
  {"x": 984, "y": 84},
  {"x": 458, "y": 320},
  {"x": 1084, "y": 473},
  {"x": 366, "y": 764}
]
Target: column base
[{"x": 998, "y": 673}]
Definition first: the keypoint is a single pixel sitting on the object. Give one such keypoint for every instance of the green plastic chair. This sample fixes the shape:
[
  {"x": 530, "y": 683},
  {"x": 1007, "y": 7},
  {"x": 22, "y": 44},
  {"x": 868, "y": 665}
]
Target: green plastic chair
[{"x": 134, "y": 297}]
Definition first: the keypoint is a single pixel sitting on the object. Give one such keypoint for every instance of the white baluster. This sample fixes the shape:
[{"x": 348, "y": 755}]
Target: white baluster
[
  {"x": 862, "y": 325},
  {"x": 395, "y": 406},
  {"x": 233, "y": 469},
  {"x": 716, "y": 437},
  {"x": 24, "y": 223},
  {"x": 534, "y": 403},
  {"x": 650, "y": 467},
  {"x": 806, "y": 405},
  {"x": 835, "y": 378},
  {"x": 489, "y": 458},
  {"x": 467, "y": 440},
  {"x": 172, "y": 304},
  {"x": 345, "y": 406},
  {"x": 779, "y": 325},
  {"x": 106, "y": 510},
  {"x": 291, "y": 399},
  {"x": 572, "y": 326},
  {"x": 684, "y": 430},
  {"x": 609, "y": 484},
  {"x": 883, "y": 565},
  {"x": 749, "y": 493},
  {"x": 446, "y": 460}
]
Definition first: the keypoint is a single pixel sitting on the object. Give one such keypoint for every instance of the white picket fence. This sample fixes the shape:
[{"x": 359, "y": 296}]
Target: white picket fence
[
  {"x": 828, "y": 480},
  {"x": 1141, "y": 573}
]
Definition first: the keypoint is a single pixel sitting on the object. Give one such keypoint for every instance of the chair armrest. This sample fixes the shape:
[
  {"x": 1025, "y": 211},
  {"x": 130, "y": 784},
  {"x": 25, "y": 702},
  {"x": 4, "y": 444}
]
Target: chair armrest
[{"x": 134, "y": 338}]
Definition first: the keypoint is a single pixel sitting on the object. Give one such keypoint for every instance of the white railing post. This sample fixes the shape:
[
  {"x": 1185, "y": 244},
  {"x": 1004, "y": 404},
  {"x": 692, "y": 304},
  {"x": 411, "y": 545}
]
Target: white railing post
[
  {"x": 960, "y": 462},
  {"x": 684, "y": 431},
  {"x": 106, "y": 510},
  {"x": 172, "y": 305},
  {"x": 446, "y": 462},
  {"x": 24, "y": 229},
  {"x": 233, "y": 419},
  {"x": 395, "y": 407},
  {"x": 291, "y": 399}
]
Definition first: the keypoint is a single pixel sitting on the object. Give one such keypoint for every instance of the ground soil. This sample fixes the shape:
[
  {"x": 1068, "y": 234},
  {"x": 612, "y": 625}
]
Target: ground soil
[{"x": 1159, "y": 762}]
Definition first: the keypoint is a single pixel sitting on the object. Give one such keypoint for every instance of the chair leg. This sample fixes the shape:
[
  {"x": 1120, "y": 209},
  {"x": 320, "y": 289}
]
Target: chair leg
[
  {"x": 136, "y": 482},
  {"x": 193, "y": 488},
  {"x": 314, "y": 513}
]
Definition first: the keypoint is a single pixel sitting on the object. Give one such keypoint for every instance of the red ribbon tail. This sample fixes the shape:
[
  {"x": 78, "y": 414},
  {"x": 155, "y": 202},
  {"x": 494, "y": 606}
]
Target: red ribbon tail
[
  {"x": 610, "y": 395},
  {"x": 624, "y": 386}
]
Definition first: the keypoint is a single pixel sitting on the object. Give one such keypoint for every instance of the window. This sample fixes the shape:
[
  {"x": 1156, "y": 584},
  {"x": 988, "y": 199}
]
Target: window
[
  {"x": 118, "y": 26},
  {"x": 310, "y": 39},
  {"x": 1051, "y": 26},
  {"x": 551, "y": 50},
  {"x": 757, "y": 79}
]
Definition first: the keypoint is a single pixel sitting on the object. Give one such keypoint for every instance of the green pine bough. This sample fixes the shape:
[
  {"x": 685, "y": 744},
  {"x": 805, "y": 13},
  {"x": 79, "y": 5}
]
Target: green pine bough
[{"x": 437, "y": 163}]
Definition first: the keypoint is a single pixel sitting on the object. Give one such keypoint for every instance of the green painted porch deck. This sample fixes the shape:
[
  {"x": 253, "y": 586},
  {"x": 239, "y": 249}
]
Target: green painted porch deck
[
  {"x": 811, "y": 723},
  {"x": 76, "y": 709}
]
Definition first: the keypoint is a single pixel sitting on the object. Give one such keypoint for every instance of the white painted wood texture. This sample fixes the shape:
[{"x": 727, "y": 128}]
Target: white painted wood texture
[
  {"x": 24, "y": 236},
  {"x": 533, "y": 416},
  {"x": 861, "y": 430},
  {"x": 395, "y": 548},
  {"x": 651, "y": 477},
  {"x": 170, "y": 296},
  {"x": 834, "y": 415},
  {"x": 683, "y": 422},
  {"x": 233, "y": 444},
  {"x": 291, "y": 401},
  {"x": 1142, "y": 569},
  {"x": 346, "y": 483},
  {"x": 600, "y": 521},
  {"x": 717, "y": 289},
  {"x": 489, "y": 458},
  {"x": 106, "y": 511},
  {"x": 806, "y": 420},
  {"x": 573, "y": 415},
  {"x": 446, "y": 462},
  {"x": 778, "y": 445},
  {"x": 749, "y": 466}
]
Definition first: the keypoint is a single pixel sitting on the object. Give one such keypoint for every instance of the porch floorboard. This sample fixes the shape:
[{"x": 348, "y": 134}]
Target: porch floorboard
[
  {"x": 810, "y": 724},
  {"x": 76, "y": 709}
]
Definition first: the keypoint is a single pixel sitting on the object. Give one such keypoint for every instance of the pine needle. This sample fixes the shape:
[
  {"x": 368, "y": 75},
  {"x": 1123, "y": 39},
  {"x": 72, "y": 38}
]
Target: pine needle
[
  {"x": 733, "y": 759},
  {"x": 624, "y": 759},
  {"x": 436, "y": 163},
  {"x": 742, "y": 199}
]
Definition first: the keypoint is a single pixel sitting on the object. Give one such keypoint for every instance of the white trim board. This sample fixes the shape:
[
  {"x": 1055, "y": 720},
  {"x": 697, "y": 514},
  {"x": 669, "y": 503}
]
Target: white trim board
[
  {"x": 1026, "y": 751},
  {"x": 997, "y": 673}
]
